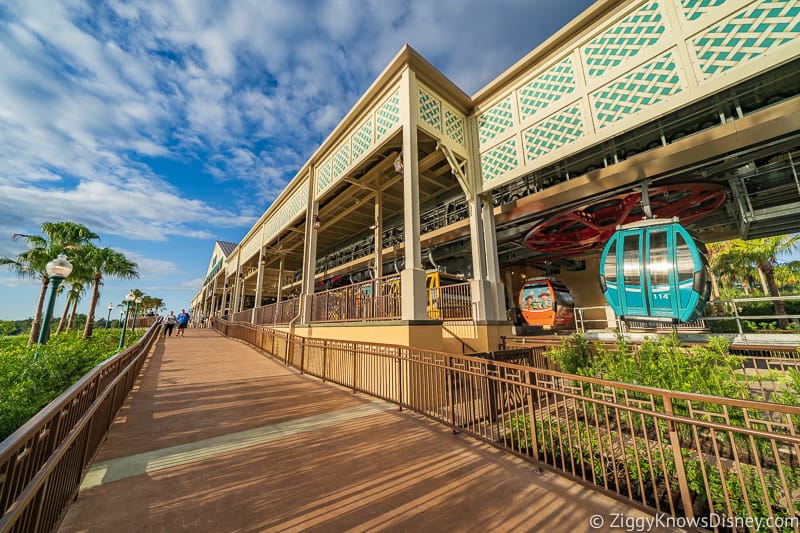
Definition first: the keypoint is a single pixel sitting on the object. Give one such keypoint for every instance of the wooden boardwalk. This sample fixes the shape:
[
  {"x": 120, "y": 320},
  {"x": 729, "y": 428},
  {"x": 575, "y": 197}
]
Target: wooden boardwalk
[{"x": 219, "y": 437}]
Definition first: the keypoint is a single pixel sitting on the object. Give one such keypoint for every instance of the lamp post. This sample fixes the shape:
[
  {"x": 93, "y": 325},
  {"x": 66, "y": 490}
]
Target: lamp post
[
  {"x": 129, "y": 298},
  {"x": 108, "y": 319},
  {"x": 57, "y": 269},
  {"x": 135, "y": 311}
]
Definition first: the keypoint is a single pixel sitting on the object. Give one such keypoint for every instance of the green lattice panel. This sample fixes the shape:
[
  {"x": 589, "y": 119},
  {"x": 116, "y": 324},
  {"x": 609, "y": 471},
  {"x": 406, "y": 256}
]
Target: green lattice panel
[
  {"x": 341, "y": 160},
  {"x": 499, "y": 160},
  {"x": 430, "y": 110},
  {"x": 362, "y": 140},
  {"x": 324, "y": 177},
  {"x": 388, "y": 116},
  {"x": 694, "y": 9},
  {"x": 624, "y": 40},
  {"x": 553, "y": 133},
  {"x": 298, "y": 203},
  {"x": 748, "y": 34},
  {"x": 454, "y": 126},
  {"x": 495, "y": 121},
  {"x": 638, "y": 89},
  {"x": 546, "y": 89}
]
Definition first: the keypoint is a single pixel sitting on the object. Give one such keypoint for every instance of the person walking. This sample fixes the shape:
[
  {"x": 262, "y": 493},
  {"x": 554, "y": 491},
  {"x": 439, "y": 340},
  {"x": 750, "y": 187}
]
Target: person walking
[
  {"x": 169, "y": 323},
  {"x": 183, "y": 321}
]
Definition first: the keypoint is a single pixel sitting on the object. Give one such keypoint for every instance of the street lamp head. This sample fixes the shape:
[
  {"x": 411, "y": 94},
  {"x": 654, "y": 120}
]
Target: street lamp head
[
  {"x": 59, "y": 267},
  {"x": 130, "y": 297},
  {"x": 110, "y": 307}
]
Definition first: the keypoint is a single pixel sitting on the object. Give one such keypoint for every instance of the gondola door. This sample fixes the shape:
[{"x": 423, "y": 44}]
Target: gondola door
[
  {"x": 659, "y": 272},
  {"x": 634, "y": 298}
]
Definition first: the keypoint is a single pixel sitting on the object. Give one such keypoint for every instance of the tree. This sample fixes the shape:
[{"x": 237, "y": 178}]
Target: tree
[
  {"x": 76, "y": 292},
  {"x": 744, "y": 260},
  {"x": 763, "y": 253},
  {"x": 57, "y": 237},
  {"x": 104, "y": 262}
]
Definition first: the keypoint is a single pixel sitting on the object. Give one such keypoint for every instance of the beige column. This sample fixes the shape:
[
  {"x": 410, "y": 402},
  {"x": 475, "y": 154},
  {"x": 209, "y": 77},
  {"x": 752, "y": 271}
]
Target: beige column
[
  {"x": 224, "y": 301},
  {"x": 379, "y": 226},
  {"x": 412, "y": 278},
  {"x": 309, "y": 251},
  {"x": 259, "y": 281},
  {"x": 279, "y": 284},
  {"x": 492, "y": 261}
]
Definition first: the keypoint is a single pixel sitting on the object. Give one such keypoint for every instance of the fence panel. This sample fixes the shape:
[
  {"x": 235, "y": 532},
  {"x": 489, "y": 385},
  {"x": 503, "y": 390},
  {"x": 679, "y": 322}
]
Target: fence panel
[
  {"x": 686, "y": 455},
  {"x": 451, "y": 302},
  {"x": 369, "y": 300},
  {"x": 41, "y": 463}
]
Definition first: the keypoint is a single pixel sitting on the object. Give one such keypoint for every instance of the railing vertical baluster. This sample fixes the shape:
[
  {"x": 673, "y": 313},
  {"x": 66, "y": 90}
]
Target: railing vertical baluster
[
  {"x": 399, "y": 379},
  {"x": 324, "y": 363},
  {"x": 680, "y": 468},
  {"x": 355, "y": 371}
]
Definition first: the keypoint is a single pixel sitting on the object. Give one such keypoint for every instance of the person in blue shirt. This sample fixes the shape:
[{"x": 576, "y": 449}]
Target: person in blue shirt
[{"x": 183, "y": 321}]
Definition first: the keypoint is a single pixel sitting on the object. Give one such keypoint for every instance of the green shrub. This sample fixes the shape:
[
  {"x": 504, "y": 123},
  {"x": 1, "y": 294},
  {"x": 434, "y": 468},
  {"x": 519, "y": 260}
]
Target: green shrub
[{"x": 28, "y": 382}]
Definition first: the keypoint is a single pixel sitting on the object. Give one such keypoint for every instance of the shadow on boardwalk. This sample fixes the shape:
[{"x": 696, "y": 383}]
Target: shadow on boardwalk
[{"x": 219, "y": 437}]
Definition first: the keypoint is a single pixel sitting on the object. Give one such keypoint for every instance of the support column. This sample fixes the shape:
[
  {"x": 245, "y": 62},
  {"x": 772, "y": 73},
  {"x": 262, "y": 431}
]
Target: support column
[
  {"x": 483, "y": 300},
  {"x": 224, "y": 301},
  {"x": 412, "y": 278},
  {"x": 379, "y": 226},
  {"x": 259, "y": 281},
  {"x": 309, "y": 251},
  {"x": 212, "y": 308},
  {"x": 279, "y": 284},
  {"x": 482, "y": 287},
  {"x": 492, "y": 261},
  {"x": 237, "y": 288}
]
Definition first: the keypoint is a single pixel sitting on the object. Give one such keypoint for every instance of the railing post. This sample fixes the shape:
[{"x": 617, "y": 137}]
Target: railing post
[
  {"x": 451, "y": 393},
  {"x": 674, "y": 439},
  {"x": 302, "y": 354},
  {"x": 324, "y": 364},
  {"x": 738, "y": 320},
  {"x": 530, "y": 386},
  {"x": 355, "y": 371},
  {"x": 399, "y": 378}
]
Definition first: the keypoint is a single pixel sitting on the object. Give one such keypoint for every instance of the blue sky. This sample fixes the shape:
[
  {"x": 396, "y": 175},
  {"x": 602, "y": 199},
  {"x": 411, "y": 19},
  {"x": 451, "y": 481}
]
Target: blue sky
[{"x": 165, "y": 125}]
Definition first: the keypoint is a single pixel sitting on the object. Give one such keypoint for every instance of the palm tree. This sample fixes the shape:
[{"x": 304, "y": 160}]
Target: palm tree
[
  {"x": 57, "y": 237},
  {"x": 763, "y": 253},
  {"x": 76, "y": 292},
  {"x": 63, "y": 320},
  {"x": 104, "y": 262}
]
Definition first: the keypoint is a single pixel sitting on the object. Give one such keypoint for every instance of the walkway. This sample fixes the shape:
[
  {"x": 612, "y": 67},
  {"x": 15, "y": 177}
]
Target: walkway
[{"x": 219, "y": 437}]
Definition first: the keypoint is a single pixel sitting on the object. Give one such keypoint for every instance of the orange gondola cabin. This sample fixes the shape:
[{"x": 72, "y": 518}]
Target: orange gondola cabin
[{"x": 546, "y": 302}]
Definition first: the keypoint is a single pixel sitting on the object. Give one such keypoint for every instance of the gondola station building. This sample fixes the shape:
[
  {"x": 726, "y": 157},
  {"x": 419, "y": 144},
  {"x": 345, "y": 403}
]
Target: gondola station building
[{"x": 419, "y": 218}]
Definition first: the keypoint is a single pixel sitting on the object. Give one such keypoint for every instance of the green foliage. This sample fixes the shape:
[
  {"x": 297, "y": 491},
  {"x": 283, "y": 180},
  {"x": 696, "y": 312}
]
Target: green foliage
[
  {"x": 574, "y": 355},
  {"x": 660, "y": 362},
  {"x": 28, "y": 382},
  {"x": 646, "y": 466}
]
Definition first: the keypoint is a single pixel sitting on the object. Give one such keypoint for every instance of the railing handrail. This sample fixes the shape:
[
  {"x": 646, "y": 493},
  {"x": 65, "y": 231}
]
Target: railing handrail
[
  {"x": 32, "y": 477},
  {"x": 600, "y": 432},
  {"x": 680, "y": 395}
]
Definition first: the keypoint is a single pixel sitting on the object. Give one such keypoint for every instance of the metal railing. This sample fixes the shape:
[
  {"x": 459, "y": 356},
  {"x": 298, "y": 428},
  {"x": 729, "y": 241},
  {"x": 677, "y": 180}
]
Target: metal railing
[
  {"x": 242, "y": 316},
  {"x": 287, "y": 310},
  {"x": 732, "y": 309},
  {"x": 41, "y": 464},
  {"x": 686, "y": 455},
  {"x": 377, "y": 299},
  {"x": 272, "y": 314},
  {"x": 265, "y": 314},
  {"x": 451, "y": 302}
]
